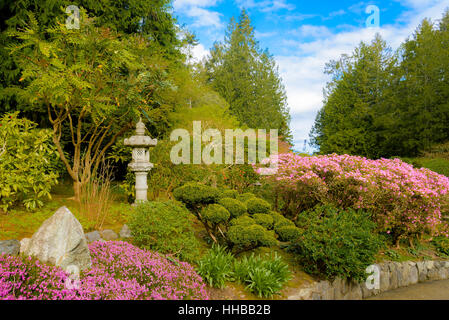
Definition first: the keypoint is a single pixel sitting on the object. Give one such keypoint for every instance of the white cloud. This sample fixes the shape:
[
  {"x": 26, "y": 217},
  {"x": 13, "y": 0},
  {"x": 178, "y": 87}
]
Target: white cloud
[
  {"x": 198, "y": 53},
  {"x": 205, "y": 18},
  {"x": 179, "y": 4},
  {"x": 265, "y": 5},
  {"x": 196, "y": 9},
  {"x": 308, "y": 30}
]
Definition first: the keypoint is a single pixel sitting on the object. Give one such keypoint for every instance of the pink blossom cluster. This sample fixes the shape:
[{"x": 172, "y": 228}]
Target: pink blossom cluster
[
  {"x": 120, "y": 271},
  {"x": 404, "y": 200}
]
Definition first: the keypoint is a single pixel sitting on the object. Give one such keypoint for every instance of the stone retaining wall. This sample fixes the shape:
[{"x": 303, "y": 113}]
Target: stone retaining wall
[{"x": 393, "y": 275}]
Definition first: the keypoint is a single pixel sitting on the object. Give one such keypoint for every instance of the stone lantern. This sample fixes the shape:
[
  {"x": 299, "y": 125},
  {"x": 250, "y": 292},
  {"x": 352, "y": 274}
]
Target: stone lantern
[{"x": 140, "y": 163}]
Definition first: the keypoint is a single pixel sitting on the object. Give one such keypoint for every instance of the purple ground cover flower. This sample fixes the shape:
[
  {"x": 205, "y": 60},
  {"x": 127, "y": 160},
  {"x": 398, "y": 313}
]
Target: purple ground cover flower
[{"x": 120, "y": 271}]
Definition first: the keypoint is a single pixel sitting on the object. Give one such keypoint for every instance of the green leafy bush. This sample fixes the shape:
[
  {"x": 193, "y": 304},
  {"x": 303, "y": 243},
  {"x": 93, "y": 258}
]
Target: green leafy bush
[
  {"x": 336, "y": 242},
  {"x": 265, "y": 220},
  {"x": 257, "y": 205},
  {"x": 235, "y": 207},
  {"x": 229, "y": 194},
  {"x": 441, "y": 245},
  {"x": 245, "y": 196},
  {"x": 164, "y": 227},
  {"x": 246, "y": 237},
  {"x": 244, "y": 220},
  {"x": 27, "y": 163},
  {"x": 215, "y": 214},
  {"x": 288, "y": 233},
  {"x": 216, "y": 267},
  {"x": 196, "y": 194},
  {"x": 263, "y": 276}
]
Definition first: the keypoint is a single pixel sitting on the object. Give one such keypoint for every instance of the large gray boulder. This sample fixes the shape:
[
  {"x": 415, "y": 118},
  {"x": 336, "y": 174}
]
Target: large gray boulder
[
  {"x": 11, "y": 247},
  {"x": 60, "y": 241}
]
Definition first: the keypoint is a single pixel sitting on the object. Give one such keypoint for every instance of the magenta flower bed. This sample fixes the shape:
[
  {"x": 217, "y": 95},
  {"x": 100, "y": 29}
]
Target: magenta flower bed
[
  {"x": 120, "y": 271},
  {"x": 404, "y": 200}
]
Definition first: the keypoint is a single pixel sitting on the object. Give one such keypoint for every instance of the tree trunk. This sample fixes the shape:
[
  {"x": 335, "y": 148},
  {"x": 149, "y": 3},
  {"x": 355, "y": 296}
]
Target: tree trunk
[{"x": 77, "y": 189}]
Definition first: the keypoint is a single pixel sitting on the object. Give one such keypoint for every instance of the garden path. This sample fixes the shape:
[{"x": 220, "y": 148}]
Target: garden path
[{"x": 432, "y": 290}]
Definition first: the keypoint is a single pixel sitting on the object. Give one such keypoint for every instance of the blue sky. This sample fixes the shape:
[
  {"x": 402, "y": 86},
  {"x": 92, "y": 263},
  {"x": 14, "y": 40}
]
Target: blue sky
[{"x": 303, "y": 36}]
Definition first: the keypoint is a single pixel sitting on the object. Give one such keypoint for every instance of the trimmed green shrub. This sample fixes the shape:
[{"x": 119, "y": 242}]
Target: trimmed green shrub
[
  {"x": 244, "y": 220},
  {"x": 283, "y": 222},
  {"x": 257, "y": 205},
  {"x": 251, "y": 236},
  {"x": 336, "y": 243},
  {"x": 215, "y": 214},
  {"x": 164, "y": 227},
  {"x": 288, "y": 233},
  {"x": 265, "y": 220},
  {"x": 263, "y": 276},
  {"x": 216, "y": 267},
  {"x": 235, "y": 207},
  {"x": 245, "y": 196},
  {"x": 194, "y": 194},
  {"x": 276, "y": 216},
  {"x": 229, "y": 194}
]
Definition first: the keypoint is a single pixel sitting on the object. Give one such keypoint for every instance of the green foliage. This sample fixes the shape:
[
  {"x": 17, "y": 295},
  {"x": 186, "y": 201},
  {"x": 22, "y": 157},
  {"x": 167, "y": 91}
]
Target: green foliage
[
  {"x": 288, "y": 233},
  {"x": 442, "y": 245},
  {"x": 27, "y": 163},
  {"x": 245, "y": 196},
  {"x": 215, "y": 214},
  {"x": 257, "y": 206},
  {"x": 438, "y": 165},
  {"x": 216, "y": 267},
  {"x": 196, "y": 194},
  {"x": 245, "y": 237},
  {"x": 336, "y": 243},
  {"x": 126, "y": 77},
  {"x": 229, "y": 194},
  {"x": 263, "y": 276},
  {"x": 265, "y": 220},
  {"x": 164, "y": 227},
  {"x": 225, "y": 219},
  {"x": 235, "y": 207},
  {"x": 248, "y": 79},
  {"x": 244, "y": 220}
]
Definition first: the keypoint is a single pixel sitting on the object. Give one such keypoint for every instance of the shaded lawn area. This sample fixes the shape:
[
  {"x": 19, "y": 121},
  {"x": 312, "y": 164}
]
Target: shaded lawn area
[{"x": 19, "y": 223}]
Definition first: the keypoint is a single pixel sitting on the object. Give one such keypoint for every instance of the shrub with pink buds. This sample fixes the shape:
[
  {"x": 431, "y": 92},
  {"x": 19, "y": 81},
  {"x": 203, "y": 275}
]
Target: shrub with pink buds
[{"x": 404, "y": 200}]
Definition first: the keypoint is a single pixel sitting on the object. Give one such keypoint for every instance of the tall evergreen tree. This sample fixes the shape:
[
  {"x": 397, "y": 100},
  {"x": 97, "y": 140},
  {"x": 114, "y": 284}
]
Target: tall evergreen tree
[
  {"x": 354, "y": 98},
  {"x": 248, "y": 79}
]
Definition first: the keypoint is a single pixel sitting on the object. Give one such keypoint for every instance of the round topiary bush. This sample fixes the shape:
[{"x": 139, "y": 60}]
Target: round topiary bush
[
  {"x": 215, "y": 214},
  {"x": 195, "y": 194},
  {"x": 265, "y": 220},
  {"x": 257, "y": 205},
  {"x": 282, "y": 222},
  {"x": 244, "y": 220},
  {"x": 229, "y": 194},
  {"x": 165, "y": 227},
  {"x": 250, "y": 236},
  {"x": 245, "y": 196},
  {"x": 235, "y": 207},
  {"x": 288, "y": 233}
]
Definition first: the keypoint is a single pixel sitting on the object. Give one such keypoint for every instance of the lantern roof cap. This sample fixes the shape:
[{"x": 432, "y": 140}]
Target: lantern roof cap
[{"x": 140, "y": 139}]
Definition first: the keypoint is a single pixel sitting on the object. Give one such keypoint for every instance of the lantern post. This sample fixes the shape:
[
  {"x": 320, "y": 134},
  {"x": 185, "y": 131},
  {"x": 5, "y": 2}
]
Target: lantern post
[{"x": 140, "y": 163}]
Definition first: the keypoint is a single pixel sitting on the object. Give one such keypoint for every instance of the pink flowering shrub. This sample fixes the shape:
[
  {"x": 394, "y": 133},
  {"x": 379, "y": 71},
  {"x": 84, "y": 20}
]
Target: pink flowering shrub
[
  {"x": 119, "y": 271},
  {"x": 403, "y": 200}
]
